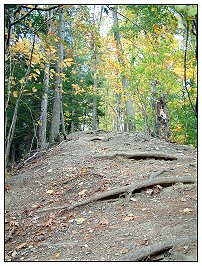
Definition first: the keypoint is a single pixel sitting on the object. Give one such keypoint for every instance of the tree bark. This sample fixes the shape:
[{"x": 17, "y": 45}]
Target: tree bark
[
  {"x": 44, "y": 102},
  {"x": 55, "y": 124},
  {"x": 129, "y": 120},
  {"x": 94, "y": 125}
]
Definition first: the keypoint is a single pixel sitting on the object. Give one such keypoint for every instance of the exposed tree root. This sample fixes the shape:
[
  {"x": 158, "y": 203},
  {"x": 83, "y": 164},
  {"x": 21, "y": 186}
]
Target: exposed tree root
[
  {"x": 127, "y": 189},
  {"x": 148, "y": 251},
  {"x": 139, "y": 155},
  {"x": 155, "y": 174}
]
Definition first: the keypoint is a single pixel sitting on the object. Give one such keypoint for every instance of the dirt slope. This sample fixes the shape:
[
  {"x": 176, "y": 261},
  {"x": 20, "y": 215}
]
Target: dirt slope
[{"x": 116, "y": 228}]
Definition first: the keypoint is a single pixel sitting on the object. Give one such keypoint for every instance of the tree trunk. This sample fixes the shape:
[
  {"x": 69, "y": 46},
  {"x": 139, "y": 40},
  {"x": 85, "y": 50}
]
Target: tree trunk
[
  {"x": 94, "y": 125},
  {"x": 55, "y": 124},
  {"x": 129, "y": 108},
  {"x": 129, "y": 120},
  {"x": 63, "y": 121},
  {"x": 95, "y": 117},
  {"x": 44, "y": 102}
]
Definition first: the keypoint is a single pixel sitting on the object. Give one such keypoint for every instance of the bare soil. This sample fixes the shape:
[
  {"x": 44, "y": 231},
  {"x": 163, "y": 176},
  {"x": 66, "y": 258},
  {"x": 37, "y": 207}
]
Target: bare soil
[{"x": 114, "y": 228}]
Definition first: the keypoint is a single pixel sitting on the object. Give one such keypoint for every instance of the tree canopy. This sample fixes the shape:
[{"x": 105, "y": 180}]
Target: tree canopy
[{"x": 111, "y": 67}]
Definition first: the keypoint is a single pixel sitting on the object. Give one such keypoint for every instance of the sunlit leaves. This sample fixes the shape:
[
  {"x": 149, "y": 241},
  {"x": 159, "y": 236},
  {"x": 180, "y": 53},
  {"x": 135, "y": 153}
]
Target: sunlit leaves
[
  {"x": 15, "y": 94},
  {"x": 77, "y": 89},
  {"x": 34, "y": 89}
]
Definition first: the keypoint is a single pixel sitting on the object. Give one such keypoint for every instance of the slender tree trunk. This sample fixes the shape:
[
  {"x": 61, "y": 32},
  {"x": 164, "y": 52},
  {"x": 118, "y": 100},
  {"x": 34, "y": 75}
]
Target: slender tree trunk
[
  {"x": 129, "y": 119},
  {"x": 9, "y": 137},
  {"x": 55, "y": 124},
  {"x": 63, "y": 121},
  {"x": 95, "y": 107},
  {"x": 185, "y": 68},
  {"x": 44, "y": 102},
  {"x": 94, "y": 125},
  {"x": 118, "y": 112},
  {"x": 11, "y": 132}
]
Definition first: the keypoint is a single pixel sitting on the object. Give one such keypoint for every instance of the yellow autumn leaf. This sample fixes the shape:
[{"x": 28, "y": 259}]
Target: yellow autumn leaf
[
  {"x": 188, "y": 210},
  {"x": 57, "y": 255},
  {"x": 30, "y": 6},
  {"x": 80, "y": 220},
  {"x": 37, "y": 71},
  {"x": 15, "y": 94},
  {"x": 22, "y": 81},
  {"x": 34, "y": 89},
  {"x": 50, "y": 191},
  {"x": 73, "y": 72},
  {"x": 82, "y": 192},
  {"x": 39, "y": 123}
]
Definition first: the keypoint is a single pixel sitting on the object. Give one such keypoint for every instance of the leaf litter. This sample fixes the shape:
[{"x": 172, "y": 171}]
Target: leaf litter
[{"x": 144, "y": 219}]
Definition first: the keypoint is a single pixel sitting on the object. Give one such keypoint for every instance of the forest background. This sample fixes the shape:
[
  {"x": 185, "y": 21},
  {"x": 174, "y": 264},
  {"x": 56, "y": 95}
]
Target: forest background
[{"x": 117, "y": 68}]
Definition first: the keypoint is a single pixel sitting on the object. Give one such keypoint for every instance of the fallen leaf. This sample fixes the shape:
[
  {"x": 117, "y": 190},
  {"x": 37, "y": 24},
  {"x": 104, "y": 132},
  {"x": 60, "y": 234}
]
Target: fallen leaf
[
  {"x": 149, "y": 191},
  {"x": 130, "y": 218},
  {"x": 124, "y": 250},
  {"x": 183, "y": 199},
  {"x": 80, "y": 220},
  {"x": 7, "y": 187},
  {"x": 22, "y": 245},
  {"x": 69, "y": 215},
  {"x": 71, "y": 221},
  {"x": 104, "y": 221},
  {"x": 188, "y": 210},
  {"x": 144, "y": 242},
  {"x": 133, "y": 199},
  {"x": 49, "y": 191},
  {"x": 157, "y": 189},
  {"x": 126, "y": 219},
  {"x": 57, "y": 255},
  {"x": 48, "y": 222},
  {"x": 84, "y": 170},
  {"x": 14, "y": 253},
  {"x": 15, "y": 223},
  {"x": 82, "y": 192}
]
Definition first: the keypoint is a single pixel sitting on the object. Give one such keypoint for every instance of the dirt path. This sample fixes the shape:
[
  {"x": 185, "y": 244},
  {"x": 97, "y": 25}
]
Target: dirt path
[{"x": 115, "y": 228}]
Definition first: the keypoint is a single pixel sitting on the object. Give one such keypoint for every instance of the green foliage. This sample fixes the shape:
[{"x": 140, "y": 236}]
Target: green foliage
[{"x": 153, "y": 49}]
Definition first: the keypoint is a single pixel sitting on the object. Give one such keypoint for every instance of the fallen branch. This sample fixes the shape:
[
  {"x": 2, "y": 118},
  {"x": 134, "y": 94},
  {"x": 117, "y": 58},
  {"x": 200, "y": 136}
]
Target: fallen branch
[
  {"x": 139, "y": 155},
  {"x": 126, "y": 189},
  {"x": 149, "y": 251}
]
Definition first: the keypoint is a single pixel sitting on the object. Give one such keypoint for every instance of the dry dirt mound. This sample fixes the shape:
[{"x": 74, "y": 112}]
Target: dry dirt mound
[{"x": 101, "y": 196}]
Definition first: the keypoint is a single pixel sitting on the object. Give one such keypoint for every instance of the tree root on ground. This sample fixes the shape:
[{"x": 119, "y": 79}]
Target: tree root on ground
[
  {"x": 126, "y": 189},
  {"x": 139, "y": 155},
  {"x": 146, "y": 252}
]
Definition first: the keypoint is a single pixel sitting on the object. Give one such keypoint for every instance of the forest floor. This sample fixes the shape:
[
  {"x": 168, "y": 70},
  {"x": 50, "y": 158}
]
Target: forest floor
[{"x": 142, "y": 207}]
